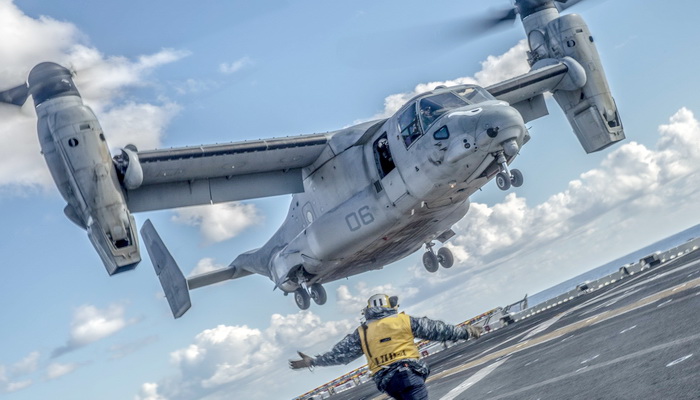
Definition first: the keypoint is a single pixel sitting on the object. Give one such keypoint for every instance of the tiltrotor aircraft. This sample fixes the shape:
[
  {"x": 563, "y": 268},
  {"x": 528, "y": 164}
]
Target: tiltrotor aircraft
[{"x": 362, "y": 197}]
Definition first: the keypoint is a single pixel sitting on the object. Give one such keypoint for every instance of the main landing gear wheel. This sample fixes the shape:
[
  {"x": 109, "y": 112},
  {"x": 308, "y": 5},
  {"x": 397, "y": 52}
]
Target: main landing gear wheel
[
  {"x": 502, "y": 181},
  {"x": 318, "y": 294},
  {"x": 445, "y": 257},
  {"x": 301, "y": 296},
  {"x": 516, "y": 177},
  {"x": 430, "y": 261}
]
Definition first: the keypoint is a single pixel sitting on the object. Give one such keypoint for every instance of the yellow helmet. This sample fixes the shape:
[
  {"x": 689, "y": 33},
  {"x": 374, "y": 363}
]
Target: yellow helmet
[{"x": 383, "y": 300}]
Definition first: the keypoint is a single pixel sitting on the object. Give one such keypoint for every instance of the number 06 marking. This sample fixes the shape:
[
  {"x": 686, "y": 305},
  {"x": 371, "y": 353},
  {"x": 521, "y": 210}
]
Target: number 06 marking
[{"x": 355, "y": 220}]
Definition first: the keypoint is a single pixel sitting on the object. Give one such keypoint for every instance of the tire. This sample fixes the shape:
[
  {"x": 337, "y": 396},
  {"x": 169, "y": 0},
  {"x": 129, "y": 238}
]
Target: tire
[
  {"x": 430, "y": 261},
  {"x": 502, "y": 181},
  {"x": 302, "y": 298},
  {"x": 318, "y": 294},
  {"x": 445, "y": 257},
  {"x": 516, "y": 178}
]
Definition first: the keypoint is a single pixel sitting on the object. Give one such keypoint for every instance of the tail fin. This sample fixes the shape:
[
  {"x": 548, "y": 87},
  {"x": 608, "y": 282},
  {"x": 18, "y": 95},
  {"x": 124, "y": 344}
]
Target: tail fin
[{"x": 171, "y": 278}]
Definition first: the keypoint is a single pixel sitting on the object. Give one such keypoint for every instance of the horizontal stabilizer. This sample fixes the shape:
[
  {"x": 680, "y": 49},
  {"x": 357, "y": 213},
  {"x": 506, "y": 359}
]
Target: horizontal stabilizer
[
  {"x": 171, "y": 278},
  {"x": 217, "y": 276}
]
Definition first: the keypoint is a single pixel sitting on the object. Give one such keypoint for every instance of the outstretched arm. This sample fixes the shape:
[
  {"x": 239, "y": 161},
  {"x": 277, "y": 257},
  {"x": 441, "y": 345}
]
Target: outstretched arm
[
  {"x": 343, "y": 352},
  {"x": 426, "y": 328}
]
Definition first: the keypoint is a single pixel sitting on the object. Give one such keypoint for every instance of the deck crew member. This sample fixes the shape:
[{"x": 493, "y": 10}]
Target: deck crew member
[{"x": 386, "y": 339}]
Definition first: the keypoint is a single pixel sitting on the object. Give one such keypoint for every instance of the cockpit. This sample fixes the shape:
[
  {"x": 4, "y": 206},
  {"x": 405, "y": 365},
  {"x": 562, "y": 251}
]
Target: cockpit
[{"x": 433, "y": 105}]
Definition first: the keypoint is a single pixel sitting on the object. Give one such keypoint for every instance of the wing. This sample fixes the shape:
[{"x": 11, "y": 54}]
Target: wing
[
  {"x": 188, "y": 176},
  {"x": 525, "y": 92}
]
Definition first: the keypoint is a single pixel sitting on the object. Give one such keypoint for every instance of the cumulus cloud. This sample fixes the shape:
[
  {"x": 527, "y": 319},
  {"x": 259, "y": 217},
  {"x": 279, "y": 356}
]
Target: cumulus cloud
[
  {"x": 231, "y": 357},
  {"x": 206, "y": 265},
  {"x": 231, "y": 68},
  {"x": 495, "y": 69},
  {"x": 27, "y": 365},
  {"x": 8, "y": 386},
  {"x": 219, "y": 222},
  {"x": 91, "y": 324},
  {"x": 126, "y": 124},
  {"x": 353, "y": 303},
  {"x": 11, "y": 379},
  {"x": 102, "y": 81},
  {"x": 15, "y": 386},
  {"x": 631, "y": 176},
  {"x": 56, "y": 370},
  {"x": 149, "y": 391}
]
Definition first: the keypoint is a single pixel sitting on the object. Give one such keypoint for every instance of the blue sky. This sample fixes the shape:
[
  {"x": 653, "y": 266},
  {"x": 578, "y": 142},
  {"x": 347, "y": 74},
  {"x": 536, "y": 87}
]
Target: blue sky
[{"x": 176, "y": 73}]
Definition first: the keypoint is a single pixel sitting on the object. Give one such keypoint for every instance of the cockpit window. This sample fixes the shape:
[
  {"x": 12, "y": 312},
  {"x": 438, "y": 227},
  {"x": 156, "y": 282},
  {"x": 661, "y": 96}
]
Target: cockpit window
[
  {"x": 408, "y": 123},
  {"x": 431, "y": 108},
  {"x": 474, "y": 94}
]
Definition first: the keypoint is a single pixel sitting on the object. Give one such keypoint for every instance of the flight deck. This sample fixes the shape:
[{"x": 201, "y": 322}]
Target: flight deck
[{"x": 636, "y": 338}]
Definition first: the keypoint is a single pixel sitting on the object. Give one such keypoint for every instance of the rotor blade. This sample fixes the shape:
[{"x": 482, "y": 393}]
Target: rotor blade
[
  {"x": 420, "y": 43},
  {"x": 17, "y": 95},
  {"x": 499, "y": 17}
]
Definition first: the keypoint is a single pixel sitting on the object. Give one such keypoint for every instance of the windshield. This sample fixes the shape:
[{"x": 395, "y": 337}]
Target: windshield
[
  {"x": 474, "y": 94},
  {"x": 409, "y": 125},
  {"x": 431, "y": 108}
]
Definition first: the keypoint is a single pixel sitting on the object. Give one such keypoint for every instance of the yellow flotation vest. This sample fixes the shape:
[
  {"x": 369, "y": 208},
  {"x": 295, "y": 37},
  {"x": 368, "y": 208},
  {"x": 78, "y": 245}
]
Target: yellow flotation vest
[{"x": 387, "y": 340}]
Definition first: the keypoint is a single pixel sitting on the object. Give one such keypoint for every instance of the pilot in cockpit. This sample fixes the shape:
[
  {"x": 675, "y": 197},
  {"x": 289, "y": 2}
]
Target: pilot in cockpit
[{"x": 427, "y": 115}]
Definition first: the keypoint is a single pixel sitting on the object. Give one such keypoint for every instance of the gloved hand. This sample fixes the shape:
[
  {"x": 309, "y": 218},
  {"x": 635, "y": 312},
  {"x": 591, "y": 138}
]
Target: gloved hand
[
  {"x": 474, "y": 331},
  {"x": 305, "y": 362}
]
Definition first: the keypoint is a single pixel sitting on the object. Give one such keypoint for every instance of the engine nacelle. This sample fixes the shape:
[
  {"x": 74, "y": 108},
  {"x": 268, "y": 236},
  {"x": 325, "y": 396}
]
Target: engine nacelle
[
  {"x": 591, "y": 109},
  {"x": 76, "y": 152}
]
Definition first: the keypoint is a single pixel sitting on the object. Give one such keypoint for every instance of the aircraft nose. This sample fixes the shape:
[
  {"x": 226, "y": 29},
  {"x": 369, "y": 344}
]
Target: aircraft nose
[{"x": 500, "y": 127}]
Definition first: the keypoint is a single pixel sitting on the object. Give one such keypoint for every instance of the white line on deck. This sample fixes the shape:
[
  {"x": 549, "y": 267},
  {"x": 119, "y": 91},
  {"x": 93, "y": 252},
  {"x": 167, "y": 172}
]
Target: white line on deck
[
  {"x": 472, "y": 380},
  {"x": 678, "y": 361}
]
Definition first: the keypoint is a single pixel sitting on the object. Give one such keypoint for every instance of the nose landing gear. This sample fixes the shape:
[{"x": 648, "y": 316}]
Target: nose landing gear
[
  {"x": 315, "y": 292},
  {"x": 506, "y": 177},
  {"x": 432, "y": 261}
]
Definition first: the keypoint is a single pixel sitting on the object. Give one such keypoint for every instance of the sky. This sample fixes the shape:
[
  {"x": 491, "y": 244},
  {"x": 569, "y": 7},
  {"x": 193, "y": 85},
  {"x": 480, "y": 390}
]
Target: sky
[{"x": 175, "y": 73}]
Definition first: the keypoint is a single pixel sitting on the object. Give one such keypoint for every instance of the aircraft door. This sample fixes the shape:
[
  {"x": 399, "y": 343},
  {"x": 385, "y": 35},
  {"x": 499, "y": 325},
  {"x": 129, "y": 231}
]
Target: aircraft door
[{"x": 389, "y": 178}]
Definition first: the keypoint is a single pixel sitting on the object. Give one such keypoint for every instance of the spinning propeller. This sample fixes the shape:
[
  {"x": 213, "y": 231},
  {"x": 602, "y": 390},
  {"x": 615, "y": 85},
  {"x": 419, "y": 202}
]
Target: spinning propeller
[
  {"x": 524, "y": 8},
  {"x": 46, "y": 80}
]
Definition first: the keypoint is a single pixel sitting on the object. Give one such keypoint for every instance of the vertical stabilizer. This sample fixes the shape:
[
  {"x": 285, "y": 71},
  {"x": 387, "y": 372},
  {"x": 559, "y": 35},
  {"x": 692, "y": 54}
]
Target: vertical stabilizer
[{"x": 171, "y": 278}]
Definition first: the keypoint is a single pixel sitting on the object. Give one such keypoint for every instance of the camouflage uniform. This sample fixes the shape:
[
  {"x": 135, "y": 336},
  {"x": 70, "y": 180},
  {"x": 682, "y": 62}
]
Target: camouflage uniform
[{"x": 349, "y": 348}]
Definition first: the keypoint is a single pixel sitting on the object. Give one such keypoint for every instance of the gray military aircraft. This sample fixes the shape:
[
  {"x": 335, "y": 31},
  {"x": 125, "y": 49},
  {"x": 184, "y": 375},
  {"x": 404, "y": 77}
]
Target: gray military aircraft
[{"x": 362, "y": 197}]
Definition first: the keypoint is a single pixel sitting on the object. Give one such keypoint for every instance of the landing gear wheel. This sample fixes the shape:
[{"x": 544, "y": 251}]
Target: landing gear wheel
[
  {"x": 318, "y": 294},
  {"x": 301, "y": 296},
  {"x": 502, "y": 181},
  {"x": 516, "y": 177},
  {"x": 430, "y": 261},
  {"x": 445, "y": 257}
]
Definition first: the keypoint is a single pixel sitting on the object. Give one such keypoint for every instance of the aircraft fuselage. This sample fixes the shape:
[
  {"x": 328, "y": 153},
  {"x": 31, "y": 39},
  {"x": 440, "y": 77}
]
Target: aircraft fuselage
[{"x": 382, "y": 189}]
